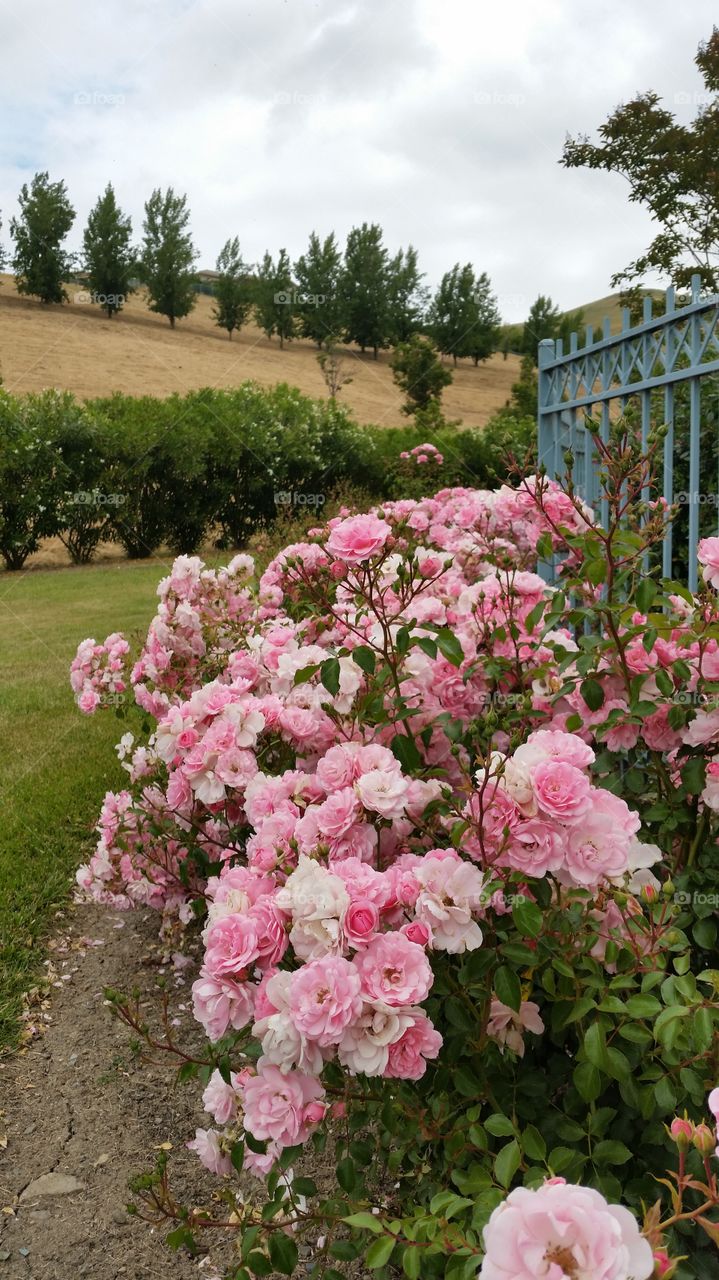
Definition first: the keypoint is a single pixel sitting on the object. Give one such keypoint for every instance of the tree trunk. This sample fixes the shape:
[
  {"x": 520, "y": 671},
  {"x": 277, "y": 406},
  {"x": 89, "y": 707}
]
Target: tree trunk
[{"x": 172, "y": 322}]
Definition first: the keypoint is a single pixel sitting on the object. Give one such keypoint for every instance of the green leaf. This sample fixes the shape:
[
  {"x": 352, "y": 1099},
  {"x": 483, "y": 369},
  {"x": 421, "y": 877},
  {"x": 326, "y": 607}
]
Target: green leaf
[
  {"x": 507, "y": 987},
  {"x": 646, "y": 592},
  {"x": 347, "y": 1174},
  {"x": 694, "y": 775},
  {"x": 560, "y": 1158},
  {"x": 449, "y": 646},
  {"x": 595, "y": 1046},
  {"x": 330, "y": 675},
  {"x": 499, "y": 1126},
  {"x": 587, "y": 1082},
  {"x": 527, "y": 917},
  {"x": 533, "y": 1143},
  {"x": 304, "y": 1186},
  {"x": 365, "y": 658},
  {"x": 593, "y": 694},
  {"x": 507, "y": 1162},
  {"x": 364, "y": 1222},
  {"x": 379, "y": 1252},
  {"x": 405, "y": 750},
  {"x": 611, "y": 1153},
  {"x": 283, "y": 1252},
  {"x": 643, "y": 1006},
  {"x": 412, "y": 1262}
]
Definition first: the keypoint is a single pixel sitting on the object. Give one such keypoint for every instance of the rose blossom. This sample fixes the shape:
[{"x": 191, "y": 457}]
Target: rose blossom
[
  {"x": 561, "y": 1231},
  {"x": 408, "y": 1055},
  {"x": 325, "y": 998},
  {"x": 364, "y": 1047},
  {"x": 360, "y": 922},
  {"x": 206, "y": 1143},
  {"x": 382, "y": 791},
  {"x": 394, "y": 971},
  {"x": 708, "y": 556},
  {"x": 562, "y": 791},
  {"x": 220, "y": 1098},
  {"x": 221, "y": 1003},
  {"x": 358, "y": 538},
  {"x": 275, "y": 1105},
  {"x": 232, "y": 946},
  {"x": 507, "y": 1026}
]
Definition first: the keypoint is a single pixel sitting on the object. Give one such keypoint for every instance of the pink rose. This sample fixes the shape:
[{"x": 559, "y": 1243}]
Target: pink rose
[
  {"x": 221, "y": 1003},
  {"x": 560, "y": 1230},
  {"x": 708, "y": 556},
  {"x": 220, "y": 1099},
  {"x": 325, "y": 998},
  {"x": 338, "y": 813},
  {"x": 394, "y": 971},
  {"x": 360, "y": 923},
  {"x": 232, "y": 946},
  {"x": 276, "y": 1105},
  {"x": 206, "y": 1143},
  {"x": 408, "y": 1055},
  {"x": 358, "y": 538},
  {"x": 383, "y": 791},
  {"x": 562, "y": 791}
]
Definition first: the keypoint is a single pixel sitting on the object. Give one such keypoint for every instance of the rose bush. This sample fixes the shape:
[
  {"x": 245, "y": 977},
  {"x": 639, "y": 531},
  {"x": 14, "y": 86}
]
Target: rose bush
[{"x": 450, "y": 835}]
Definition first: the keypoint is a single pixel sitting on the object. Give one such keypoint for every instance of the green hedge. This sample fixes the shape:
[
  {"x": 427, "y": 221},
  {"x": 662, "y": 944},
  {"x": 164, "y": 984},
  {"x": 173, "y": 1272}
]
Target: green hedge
[{"x": 148, "y": 472}]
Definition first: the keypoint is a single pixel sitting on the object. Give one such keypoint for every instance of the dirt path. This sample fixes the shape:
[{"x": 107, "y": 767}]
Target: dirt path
[{"x": 75, "y": 1106}]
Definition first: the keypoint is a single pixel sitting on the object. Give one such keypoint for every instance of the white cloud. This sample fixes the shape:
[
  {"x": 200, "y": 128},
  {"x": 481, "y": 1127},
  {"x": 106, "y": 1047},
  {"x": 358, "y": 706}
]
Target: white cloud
[{"x": 442, "y": 121}]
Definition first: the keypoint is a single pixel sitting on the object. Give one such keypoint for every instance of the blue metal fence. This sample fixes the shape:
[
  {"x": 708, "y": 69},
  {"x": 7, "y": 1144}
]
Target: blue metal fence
[{"x": 656, "y": 356}]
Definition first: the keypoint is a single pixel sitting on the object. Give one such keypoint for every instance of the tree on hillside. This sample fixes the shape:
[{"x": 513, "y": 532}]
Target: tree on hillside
[
  {"x": 418, "y": 371},
  {"x": 463, "y": 317},
  {"x": 365, "y": 288},
  {"x": 2, "y": 251},
  {"x": 485, "y": 332},
  {"x": 275, "y": 297},
  {"x": 571, "y": 322},
  {"x": 109, "y": 257},
  {"x": 40, "y": 262},
  {"x": 406, "y": 295},
  {"x": 542, "y": 322},
  {"x": 168, "y": 255},
  {"x": 319, "y": 299},
  {"x": 233, "y": 288},
  {"x": 671, "y": 170}
]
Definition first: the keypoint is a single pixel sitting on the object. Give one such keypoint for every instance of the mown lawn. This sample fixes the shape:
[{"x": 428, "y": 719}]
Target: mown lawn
[{"x": 55, "y": 764}]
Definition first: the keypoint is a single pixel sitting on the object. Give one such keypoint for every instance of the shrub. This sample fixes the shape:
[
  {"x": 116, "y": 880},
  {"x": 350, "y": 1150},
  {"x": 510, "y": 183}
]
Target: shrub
[
  {"x": 31, "y": 484},
  {"x": 452, "y": 835}
]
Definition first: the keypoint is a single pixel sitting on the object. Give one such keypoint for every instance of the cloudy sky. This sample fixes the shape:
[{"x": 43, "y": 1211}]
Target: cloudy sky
[{"x": 443, "y": 120}]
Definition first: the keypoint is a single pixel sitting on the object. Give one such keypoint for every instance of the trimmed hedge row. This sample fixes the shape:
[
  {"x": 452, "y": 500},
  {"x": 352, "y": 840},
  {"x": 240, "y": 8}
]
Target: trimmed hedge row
[{"x": 148, "y": 472}]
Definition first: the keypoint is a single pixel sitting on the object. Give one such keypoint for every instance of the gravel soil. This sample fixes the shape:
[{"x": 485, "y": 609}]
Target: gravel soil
[{"x": 76, "y": 1105}]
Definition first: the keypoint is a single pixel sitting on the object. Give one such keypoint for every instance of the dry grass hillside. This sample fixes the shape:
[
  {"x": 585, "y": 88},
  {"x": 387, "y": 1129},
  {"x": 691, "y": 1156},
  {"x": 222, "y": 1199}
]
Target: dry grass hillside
[{"x": 76, "y": 348}]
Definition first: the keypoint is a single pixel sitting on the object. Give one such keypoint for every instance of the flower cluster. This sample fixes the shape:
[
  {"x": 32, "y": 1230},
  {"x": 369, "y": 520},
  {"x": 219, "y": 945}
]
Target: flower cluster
[
  {"x": 537, "y": 811},
  {"x": 423, "y": 453},
  {"x": 97, "y": 673}
]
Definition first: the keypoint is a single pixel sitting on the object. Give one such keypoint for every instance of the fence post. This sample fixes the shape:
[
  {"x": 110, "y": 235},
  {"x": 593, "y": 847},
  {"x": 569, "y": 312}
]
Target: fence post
[{"x": 546, "y": 425}]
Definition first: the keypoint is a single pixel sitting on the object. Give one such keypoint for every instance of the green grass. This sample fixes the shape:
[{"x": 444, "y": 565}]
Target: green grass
[{"x": 55, "y": 764}]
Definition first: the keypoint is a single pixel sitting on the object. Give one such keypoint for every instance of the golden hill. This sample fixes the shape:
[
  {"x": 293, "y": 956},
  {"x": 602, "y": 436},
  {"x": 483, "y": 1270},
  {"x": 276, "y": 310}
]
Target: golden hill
[{"x": 76, "y": 348}]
